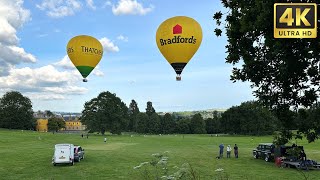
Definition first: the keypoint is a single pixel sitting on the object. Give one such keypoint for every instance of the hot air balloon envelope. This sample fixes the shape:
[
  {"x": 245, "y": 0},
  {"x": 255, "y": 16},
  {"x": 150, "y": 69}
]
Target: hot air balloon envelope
[
  {"x": 178, "y": 39},
  {"x": 85, "y": 52}
]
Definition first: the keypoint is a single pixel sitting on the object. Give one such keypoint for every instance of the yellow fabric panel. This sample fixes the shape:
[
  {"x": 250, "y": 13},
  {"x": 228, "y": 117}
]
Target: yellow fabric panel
[
  {"x": 178, "y": 38},
  {"x": 84, "y": 50}
]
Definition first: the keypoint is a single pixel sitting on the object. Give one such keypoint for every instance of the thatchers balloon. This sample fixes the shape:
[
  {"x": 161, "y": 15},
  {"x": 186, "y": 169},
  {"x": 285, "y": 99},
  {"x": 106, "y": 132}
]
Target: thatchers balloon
[
  {"x": 178, "y": 39},
  {"x": 85, "y": 52}
]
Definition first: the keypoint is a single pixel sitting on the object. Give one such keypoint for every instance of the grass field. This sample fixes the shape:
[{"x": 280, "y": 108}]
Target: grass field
[{"x": 27, "y": 155}]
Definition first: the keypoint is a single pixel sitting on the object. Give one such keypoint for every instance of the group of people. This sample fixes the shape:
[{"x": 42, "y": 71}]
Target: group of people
[{"x": 229, "y": 149}]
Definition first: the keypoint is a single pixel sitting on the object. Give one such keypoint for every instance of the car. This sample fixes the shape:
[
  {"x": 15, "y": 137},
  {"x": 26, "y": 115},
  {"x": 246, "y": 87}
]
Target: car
[
  {"x": 78, "y": 153},
  {"x": 264, "y": 151},
  {"x": 268, "y": 152}
]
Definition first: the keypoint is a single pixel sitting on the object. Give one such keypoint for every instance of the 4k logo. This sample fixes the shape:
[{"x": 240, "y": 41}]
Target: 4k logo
[{"x": 295, "y": 20}]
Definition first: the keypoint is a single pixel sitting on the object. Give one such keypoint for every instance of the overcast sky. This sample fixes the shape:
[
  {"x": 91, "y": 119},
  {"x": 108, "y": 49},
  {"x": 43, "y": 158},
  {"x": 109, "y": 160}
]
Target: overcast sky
[{"x": 33, "y": 58}]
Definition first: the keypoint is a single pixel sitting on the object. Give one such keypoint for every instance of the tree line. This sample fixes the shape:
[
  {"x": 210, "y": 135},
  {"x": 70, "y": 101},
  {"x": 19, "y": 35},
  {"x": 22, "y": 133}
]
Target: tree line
[{"x": 107, "y": 112}]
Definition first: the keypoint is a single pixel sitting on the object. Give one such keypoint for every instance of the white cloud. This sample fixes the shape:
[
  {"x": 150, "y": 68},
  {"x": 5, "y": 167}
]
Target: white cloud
[
  {"x": 108, "y": 45},
  {"x": 90, "y": 3},
  {"x": 45, "y": 96},
  {"x": 97, "y": 72},
  {"x": 43, "y": 83},
  {"x": 65, "y": 63},
  {"x": 66, "y": 90},
  {"x": 60, "y": 8},
  {"x": 123, "y": 38},
  {"x": 14, "y": 55},
  {"x": 12, "y": 17},
  {"x": 130, "y": 7},
  {"x": 107, "y": 3},
  {"x": 42, "y": 35}
]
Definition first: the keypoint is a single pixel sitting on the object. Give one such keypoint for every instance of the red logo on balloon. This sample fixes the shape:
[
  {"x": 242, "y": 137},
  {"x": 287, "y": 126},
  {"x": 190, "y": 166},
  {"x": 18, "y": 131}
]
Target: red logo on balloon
[{"x": 177, "y": 29}]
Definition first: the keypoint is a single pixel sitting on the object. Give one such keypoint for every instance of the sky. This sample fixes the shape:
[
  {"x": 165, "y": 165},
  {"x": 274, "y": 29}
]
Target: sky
[{"x": 34, "y": 61}]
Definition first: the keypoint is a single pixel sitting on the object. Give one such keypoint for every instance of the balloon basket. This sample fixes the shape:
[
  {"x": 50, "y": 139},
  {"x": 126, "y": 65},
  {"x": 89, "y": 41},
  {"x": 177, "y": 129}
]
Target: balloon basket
[
  {"x": 85, "y": 80},
  {"x": 178, "y": 78}
]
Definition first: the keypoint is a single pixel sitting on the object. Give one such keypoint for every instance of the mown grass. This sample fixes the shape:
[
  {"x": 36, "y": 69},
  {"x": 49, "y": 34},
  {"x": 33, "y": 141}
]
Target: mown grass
[{"x": 27, "y": 155}]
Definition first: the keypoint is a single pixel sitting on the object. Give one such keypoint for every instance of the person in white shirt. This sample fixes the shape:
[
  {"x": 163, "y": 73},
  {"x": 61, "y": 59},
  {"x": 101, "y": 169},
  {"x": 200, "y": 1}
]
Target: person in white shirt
[{"x": 228, "y": 151}]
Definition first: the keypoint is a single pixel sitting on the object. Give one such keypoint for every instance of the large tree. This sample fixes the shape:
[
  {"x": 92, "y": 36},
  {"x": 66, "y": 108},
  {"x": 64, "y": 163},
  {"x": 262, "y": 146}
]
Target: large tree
[
  {"x": 154, "y": 124},
  {"x": 133, "y": 111},
  {"x": 16, "y": 111},
  {"x": 309, "y": 121},
  {"x": 168, "y": 124},
  {"x": 249, "y": 118},
  {"x": 105, "y": 113},
  {"x": 141, "y": 125},
  {"x": 54, "y": 124},
  {"x": 213, "y": 124},
  {"x": 284, "y": 73},
  {"x": 197, "y": 124},
  {"x": 150, "y": 110},
  {"x": 183, "y": 126}
]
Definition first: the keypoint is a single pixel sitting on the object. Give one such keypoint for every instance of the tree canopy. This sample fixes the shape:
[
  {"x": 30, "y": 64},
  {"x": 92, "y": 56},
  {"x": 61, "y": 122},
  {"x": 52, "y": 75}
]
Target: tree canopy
[
  {"x": 16, "y": 111},
  {"x": 55, "y": 124},
  {"x": 105, "y": 113},
  {"x": 284, "y": 73},
  {"x": 249, "y": 118}
]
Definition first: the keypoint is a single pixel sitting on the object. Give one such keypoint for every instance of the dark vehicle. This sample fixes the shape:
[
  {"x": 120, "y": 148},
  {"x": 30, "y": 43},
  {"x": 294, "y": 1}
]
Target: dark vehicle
[
  {"x": 78, "y": 153},
  {"x": 264, "y": 151},
  {"x": 268, "y": 152}
]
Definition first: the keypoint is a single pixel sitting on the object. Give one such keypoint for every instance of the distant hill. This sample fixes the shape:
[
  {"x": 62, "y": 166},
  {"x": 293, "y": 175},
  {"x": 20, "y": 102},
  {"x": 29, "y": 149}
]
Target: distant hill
[{"x": 204, "y": 113}]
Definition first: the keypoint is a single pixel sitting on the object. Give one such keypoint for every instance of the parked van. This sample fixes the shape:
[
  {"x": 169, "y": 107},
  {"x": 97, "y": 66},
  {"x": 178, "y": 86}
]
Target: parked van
[{"x": 63, "y": 154}]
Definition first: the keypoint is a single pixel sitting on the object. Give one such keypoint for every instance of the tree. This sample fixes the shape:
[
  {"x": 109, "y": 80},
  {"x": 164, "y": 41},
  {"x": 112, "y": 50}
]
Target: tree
[
  {"x": 142, "y": 123},
  {"x": 197, "y": 124},
  {"x": 213, "y": 124},
  {"x": 309, "y": 121},
  {"x": 154, "y": 124},
  {"x": 48, "y": 113},
  {"x": 105, "y": 113},
  {"x": 150, "y": 110},
  {"x": 283, "y": 72},
  {"x": 16, "y": 111},
  {"x": 210, "y": 125},
  {"x": 183, "y": 126},
  {"x": 250, "y": 118},
  {"x": 133, "y": 111},
  {"x": 54, "y": 124},
  {"x": 168, "y": 124}
]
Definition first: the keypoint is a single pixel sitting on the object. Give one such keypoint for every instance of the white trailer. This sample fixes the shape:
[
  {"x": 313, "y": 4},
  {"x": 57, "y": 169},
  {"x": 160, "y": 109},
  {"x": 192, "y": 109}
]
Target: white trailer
[{"x": 63, "y": 154}]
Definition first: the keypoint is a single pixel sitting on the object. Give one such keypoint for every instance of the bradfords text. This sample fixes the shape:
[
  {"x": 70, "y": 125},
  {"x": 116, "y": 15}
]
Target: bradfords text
[{"x": 178, "y": 39}]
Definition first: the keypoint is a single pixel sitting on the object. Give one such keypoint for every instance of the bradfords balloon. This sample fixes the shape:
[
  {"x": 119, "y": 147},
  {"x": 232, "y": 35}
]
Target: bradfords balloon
[
  {"x": 178, "y": 39},
  {"x": 85, "y": 52}
]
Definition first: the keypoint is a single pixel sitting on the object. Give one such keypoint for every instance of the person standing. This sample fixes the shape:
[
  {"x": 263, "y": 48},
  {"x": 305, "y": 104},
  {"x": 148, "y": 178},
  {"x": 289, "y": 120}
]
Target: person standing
[
  {"x": 221, "y": 150},
  {"x": 235, "y": 148},
  {"x": 105, "y": 139},
  {"x": 228, "y": 151}
]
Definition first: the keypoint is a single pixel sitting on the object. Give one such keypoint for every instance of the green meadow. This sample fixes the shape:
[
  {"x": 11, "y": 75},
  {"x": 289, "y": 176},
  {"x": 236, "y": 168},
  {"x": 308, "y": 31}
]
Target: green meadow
[{"x": 27, "y": 155}]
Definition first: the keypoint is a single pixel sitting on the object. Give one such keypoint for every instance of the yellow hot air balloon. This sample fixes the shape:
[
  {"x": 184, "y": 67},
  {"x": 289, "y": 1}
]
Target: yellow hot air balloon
[
  {"x": 85, "y": 52},
  {"x": 178, "y": 39}
]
